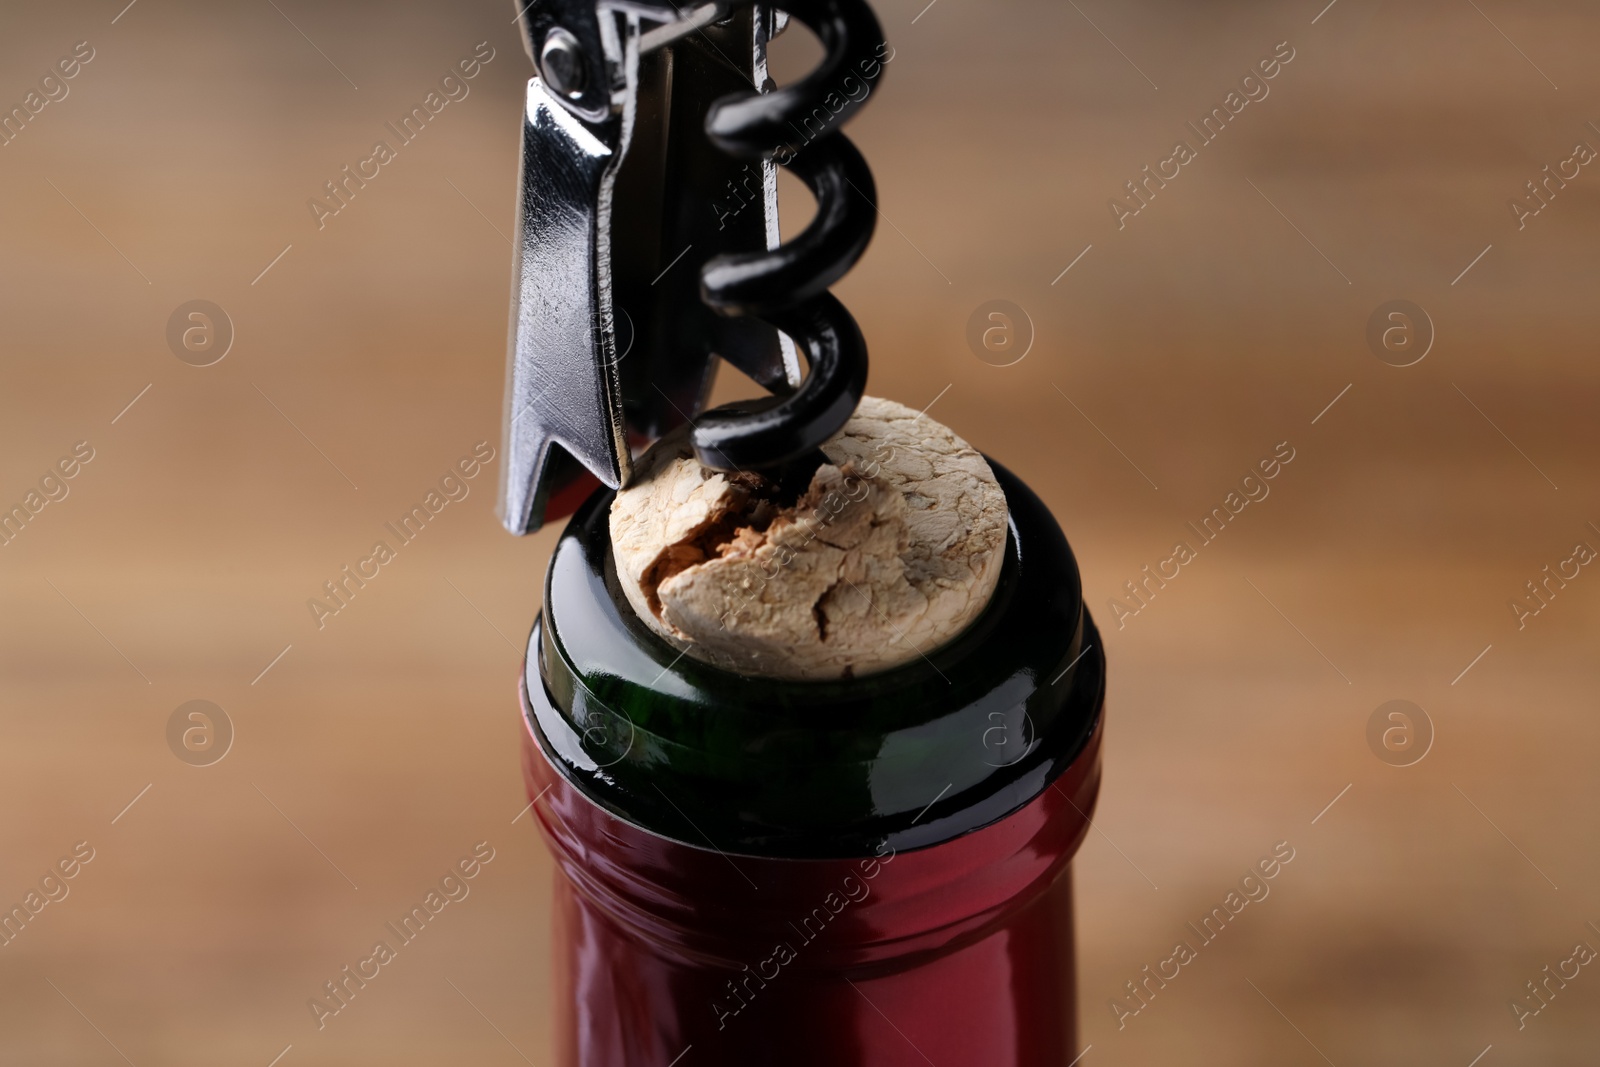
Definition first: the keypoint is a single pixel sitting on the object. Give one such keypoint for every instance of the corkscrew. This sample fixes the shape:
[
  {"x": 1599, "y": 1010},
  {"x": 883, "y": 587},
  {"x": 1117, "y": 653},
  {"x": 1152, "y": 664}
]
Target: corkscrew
[{"x": 648, "y": 248}]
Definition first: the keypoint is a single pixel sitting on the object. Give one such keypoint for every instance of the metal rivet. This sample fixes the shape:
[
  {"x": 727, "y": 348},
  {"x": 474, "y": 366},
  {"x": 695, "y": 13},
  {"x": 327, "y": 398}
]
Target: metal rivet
[{"x": 561, "y": 61}]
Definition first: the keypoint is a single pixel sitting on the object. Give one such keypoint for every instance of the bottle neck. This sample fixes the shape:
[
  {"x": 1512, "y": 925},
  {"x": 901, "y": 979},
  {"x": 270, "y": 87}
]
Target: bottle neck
[{"x": 955, "y": 740}]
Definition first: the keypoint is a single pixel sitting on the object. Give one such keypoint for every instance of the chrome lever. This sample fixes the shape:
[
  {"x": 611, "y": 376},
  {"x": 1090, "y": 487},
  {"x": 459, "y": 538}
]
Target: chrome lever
[{"x": 622, "y": 199}]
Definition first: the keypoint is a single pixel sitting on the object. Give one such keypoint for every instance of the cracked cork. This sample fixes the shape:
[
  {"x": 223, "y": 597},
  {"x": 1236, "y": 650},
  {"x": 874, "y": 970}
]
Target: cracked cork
[{"x": 893, "y": 549}]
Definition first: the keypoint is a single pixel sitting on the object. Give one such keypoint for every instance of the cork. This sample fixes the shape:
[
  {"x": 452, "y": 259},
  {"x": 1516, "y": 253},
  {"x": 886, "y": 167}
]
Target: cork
[{"x": 891, "y": 550}]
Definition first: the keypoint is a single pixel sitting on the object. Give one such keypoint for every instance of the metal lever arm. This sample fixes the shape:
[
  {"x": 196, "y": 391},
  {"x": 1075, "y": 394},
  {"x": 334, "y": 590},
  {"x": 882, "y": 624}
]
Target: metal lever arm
[{"x": 622, "y": 200}]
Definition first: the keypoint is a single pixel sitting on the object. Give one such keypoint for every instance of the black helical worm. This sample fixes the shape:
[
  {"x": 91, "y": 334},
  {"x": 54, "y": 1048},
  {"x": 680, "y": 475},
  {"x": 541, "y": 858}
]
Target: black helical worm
[{"x": 798, "y": 127}]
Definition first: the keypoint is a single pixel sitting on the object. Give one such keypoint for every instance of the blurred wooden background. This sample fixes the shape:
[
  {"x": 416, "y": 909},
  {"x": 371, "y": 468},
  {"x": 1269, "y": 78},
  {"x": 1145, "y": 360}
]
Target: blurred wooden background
[{"x": 1221, "y": 321}]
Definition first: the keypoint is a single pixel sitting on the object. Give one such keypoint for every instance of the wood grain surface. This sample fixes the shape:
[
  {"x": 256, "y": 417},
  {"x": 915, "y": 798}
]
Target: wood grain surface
[{"x": 1173, "y": 350}]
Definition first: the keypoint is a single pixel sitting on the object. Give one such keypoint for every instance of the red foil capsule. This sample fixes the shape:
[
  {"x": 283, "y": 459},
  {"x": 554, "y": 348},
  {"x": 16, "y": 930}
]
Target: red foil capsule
[{"x": 958, "y": 954}]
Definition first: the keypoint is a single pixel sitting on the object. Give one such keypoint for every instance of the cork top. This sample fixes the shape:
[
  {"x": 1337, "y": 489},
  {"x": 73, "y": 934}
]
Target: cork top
[{"x": 892, "y": 549}]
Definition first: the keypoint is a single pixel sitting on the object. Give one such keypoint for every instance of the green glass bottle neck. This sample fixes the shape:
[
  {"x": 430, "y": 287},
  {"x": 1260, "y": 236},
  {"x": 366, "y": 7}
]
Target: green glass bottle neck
[{"x": 956, "y": 738}]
